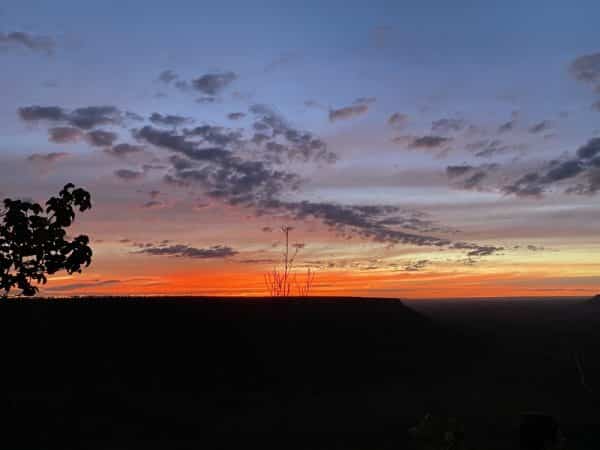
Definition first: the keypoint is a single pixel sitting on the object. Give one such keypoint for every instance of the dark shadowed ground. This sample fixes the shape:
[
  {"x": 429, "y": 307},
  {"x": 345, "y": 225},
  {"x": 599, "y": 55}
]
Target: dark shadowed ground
[{"x": 319, "y": 373}]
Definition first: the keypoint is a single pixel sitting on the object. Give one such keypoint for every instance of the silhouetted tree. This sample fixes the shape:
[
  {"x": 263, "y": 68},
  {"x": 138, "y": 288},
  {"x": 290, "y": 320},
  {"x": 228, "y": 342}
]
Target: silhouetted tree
[{"x": 33, "y": 241}]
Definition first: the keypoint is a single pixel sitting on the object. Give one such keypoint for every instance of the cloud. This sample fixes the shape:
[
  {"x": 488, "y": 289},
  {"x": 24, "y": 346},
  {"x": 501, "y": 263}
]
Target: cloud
[
  {"x": 447, "y": 125},
  {"x": 474, "y": 181},
  {"x": 47, "y": 157},
  {"x": 528, "y": 185},
  {"x": 128, "y": 175},
  {"x": 589, "y": 149},
  {"x": 63, "y": 135},
  {"x": 122, "y": 150},
  {"x": 167, "y": 76},
  {"x": 169, "y": 120},
  {"x": 84, "y": 118},
  {"x": 416, "y": 266},
  {"x": 458, "y": 171},
  {"x": 591, "y": 185},
  {"x": 586, "y": 68},
  {"x": 236, "y": 115},
  {"x": 214, "y": 83},
  {"x": 284, "y": 142},
  {"x": 429, "y": 141},
  {"x": 368, "y": 221},
  {"x": 283, "y": 60},
  {"x": 35, "y": 113},
  {"x": 224, "y": 174},
  {"x": 186, "y": 251},
  {"x": 215, "y": 135},
  {"x": 43, "y": 44},
  {"x": 533, "y": 184},
  {"x": 398, "y": 120},
  {"x": 507, "y": 126},
  {"x": 101, "y": 138},
  {"x": 486, "y": 148},
  {"x": 83, "y": 285},
  {"x": 154, "y": 204},
  {"x": 206, "y": 99},
  {"x": 511, "y": 124},
  {"x": 564, "y": 170},
  {"x": 476, "y": 250},
  {"x": 92, "y": 116},
  {"x": 348, "y": 112},
  {"x": 544, "y": 125}
]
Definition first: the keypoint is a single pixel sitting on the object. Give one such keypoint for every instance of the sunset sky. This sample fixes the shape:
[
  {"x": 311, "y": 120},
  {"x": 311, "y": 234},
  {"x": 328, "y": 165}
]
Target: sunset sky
[{"x": 418, "y": 148}]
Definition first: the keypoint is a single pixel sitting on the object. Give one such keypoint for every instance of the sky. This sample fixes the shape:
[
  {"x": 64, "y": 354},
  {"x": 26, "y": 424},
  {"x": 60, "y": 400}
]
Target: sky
[{"x": 418, "y": 149}]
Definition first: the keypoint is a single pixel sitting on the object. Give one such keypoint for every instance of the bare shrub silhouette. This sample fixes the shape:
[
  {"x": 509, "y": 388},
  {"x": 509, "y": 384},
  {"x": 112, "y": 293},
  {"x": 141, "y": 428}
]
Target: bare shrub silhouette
[
  {"x": 33, "y": 241},
  {"x": 279, "y": 281},
  {"x": 305, "y": 285}
]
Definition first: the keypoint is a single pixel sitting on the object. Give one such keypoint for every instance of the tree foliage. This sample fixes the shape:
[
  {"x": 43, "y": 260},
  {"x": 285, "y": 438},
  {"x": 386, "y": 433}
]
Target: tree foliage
[{"x": 34, "y": 243}]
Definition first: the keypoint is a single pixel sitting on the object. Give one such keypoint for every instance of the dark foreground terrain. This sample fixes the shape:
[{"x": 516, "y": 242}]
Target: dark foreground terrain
[{"x": 318, "y": 373}]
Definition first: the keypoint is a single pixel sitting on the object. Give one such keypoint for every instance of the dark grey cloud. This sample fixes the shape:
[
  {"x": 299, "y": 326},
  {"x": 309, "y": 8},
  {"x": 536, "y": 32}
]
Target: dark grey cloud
[
  {"x": 474, "y": 181},
  {"x": 167, "y": 76},
  {"x": 533, "y": 184},
  {"x": 590, "y": 185},
  {"x": 511, "y": 124},
  {"x": 36, "y": 113},
  {"x": 586, "y": 68},
  {"x": 182, "y": 85},
  {"x": 589, "y": 149},
  {"x": 370, "y": 222},
  {"x": 458, "y": 171},
  {"x": 507, "y": 126},
  {"x": 221, "y": 172},
  {"x": 186, "y": 251},
  {"x": 92, "y": 116},
  {"x": 487, "y": 148},
  {"x": 236, "y": 115},
  {"x": 429, "y": 141},
  {"x": 398, "y": 120},
  {"x": 43, "y": 44},
  {"x": 47, "y": 157},
  {"x": 214, "y": 83},
  {"x": 476, "y": 250},
  {"x": 544, "y": 125},
  {"x": 153, "y": 204},
  {"x": 101, "y": 138},
  {"x": 124, "y": 149},
  {"x": 84, "y": 118},
  {"x": 281, "y": 142},
  {"x": 170, "y": 120},
  {"x": 348, "y": 112},
  {"x": 470, "y": 177},
  {"x": 416, "y": 266},
  {"x": 564, "y": 170},
  {"x": 528, "y": 185},
  {"x": 215, "y": 135},
  {"x": 63, "y": 135},
  {"x": 128, "y": 175},
  {"x": 447, "y": 125}
]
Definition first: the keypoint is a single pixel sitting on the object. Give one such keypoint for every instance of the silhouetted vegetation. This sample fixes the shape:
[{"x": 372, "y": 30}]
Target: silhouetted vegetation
[
  {"x": 34, "y": 243},
  {"x": 280, "y": 280}
]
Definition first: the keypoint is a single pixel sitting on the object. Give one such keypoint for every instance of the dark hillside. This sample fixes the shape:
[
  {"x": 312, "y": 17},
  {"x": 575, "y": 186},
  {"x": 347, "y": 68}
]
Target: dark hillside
[{"x": 170, "y": 372}]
